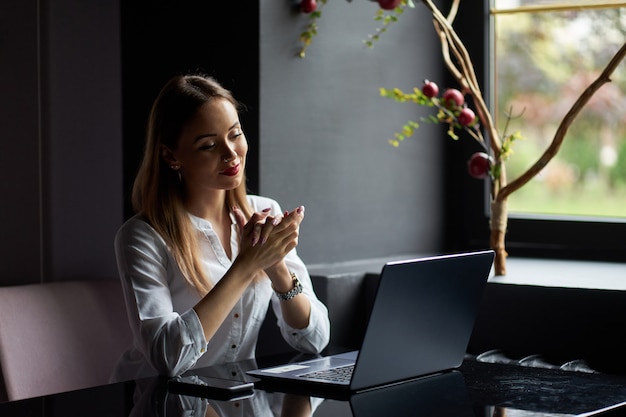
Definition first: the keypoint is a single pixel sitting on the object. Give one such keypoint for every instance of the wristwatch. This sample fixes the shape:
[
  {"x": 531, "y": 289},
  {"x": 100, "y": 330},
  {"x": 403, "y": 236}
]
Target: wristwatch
[{"x": 297, "y": 289}]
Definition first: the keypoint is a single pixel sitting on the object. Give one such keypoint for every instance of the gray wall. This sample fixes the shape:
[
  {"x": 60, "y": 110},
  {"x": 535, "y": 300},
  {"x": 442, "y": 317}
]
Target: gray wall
[
  {"x": 322, "y": 142},
  {"x": 324, "y": 131}
]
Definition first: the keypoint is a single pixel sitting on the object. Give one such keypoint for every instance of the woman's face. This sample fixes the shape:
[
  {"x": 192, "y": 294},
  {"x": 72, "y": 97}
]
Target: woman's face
[{"x": 212, "y": 149}]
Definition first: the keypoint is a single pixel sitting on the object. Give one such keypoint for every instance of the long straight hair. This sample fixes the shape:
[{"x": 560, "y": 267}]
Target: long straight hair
[{"x": 158, "y": 190}]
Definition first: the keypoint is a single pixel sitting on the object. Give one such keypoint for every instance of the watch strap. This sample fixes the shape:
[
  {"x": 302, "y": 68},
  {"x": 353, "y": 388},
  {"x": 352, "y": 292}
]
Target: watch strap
[{"x": 297, "y": 289}]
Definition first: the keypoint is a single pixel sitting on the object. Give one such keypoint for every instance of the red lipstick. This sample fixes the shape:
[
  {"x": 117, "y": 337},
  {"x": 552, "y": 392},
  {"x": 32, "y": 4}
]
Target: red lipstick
[{"x": 232, "y": 171}]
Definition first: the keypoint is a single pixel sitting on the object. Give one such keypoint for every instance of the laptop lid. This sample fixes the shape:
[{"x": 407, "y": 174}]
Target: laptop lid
[
  {"x": 420, "y": 323},
  {"x": 422, "y": 317}
]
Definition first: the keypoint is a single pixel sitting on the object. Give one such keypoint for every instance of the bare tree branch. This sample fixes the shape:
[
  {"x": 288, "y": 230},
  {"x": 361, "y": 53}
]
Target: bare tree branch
[{"x": 559, "y": 136}]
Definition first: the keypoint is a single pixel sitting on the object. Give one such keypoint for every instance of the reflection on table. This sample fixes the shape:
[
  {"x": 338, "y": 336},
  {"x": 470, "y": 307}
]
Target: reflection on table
[
  {"x": 155, "y": 398},
  {"x": 475, "y": 389},
  {"x": 440, "y": 395}
]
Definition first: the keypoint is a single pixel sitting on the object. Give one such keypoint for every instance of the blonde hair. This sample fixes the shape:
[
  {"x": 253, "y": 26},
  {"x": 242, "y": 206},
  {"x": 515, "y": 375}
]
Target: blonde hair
[{"x": 158, "y": 192}]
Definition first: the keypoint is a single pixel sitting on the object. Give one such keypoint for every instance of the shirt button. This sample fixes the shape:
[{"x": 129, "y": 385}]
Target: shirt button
[
  {"x": 202, "y": 350},
  {"x": 236, "y": 315},
  {"x": 233, "y": 346}
]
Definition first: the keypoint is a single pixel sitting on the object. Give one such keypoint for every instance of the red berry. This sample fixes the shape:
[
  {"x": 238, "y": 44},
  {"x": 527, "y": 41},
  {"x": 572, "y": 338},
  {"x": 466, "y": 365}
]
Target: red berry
[
  {"x": 479, "y": 165},
  {"x": 453, "y": 98},
  {"x": 430, "y": 89},
  {"x": 389, "y": 4},
  {"x": 308, "y": 6},
  {"x": 466, "y": 117}
]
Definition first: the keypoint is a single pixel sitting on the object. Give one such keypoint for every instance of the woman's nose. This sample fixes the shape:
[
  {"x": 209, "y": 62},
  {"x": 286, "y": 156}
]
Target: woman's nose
[{"x": 229, "y": 154}]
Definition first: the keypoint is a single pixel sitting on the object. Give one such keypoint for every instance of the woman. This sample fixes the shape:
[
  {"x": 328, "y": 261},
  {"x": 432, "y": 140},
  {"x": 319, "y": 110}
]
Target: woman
[{"x": 201, "y": 259}]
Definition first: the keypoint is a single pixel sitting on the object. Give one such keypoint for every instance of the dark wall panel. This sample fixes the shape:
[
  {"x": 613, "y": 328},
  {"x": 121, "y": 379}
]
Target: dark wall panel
[
  {"x": 82, "y": 143},
  {"x": 60, "y": 129},
  {"x": 164, "y": 38},
  {"x": 20, "y": 186}
]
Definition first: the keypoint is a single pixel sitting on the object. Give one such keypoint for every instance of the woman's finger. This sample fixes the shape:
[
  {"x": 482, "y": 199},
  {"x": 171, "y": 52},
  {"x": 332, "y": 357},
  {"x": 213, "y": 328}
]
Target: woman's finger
[
  {"x": 256, "y": 223},
  {"x": 291, "y": 219},
  {"x": 266, "y": 230},
  {"x": 283, "y": 231},
  {"x": 239, "y": 218}
]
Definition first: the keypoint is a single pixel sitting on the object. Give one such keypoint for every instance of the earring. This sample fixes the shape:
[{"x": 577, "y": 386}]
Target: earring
[{"x": 176, "y": 168}]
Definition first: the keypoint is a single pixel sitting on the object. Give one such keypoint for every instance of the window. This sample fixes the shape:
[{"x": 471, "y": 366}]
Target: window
[
  {"x": 546, "y": 54},
  {"x": 541, "y": 55}
]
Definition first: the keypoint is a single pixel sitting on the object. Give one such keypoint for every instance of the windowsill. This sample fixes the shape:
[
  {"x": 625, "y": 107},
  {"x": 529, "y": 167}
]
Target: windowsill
[
  {"x": 563, "y": 273},
  {"x": 520, "y": 271}
]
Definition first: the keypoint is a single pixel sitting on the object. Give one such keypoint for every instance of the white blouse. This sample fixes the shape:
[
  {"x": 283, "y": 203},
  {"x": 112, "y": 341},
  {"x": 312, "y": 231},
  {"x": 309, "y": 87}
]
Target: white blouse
[{"x": 167, "y": 335}]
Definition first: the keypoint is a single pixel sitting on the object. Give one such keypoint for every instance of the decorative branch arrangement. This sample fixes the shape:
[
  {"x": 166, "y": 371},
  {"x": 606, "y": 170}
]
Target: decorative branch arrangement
[
  {"x": 452, "y": 109},
  {"x": 460, "y": 65}
]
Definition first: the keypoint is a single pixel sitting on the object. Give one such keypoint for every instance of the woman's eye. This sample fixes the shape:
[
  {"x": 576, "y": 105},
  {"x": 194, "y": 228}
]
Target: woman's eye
[
  {"x": 236, "y": 134},
  {"x": 207, "y": 147}
]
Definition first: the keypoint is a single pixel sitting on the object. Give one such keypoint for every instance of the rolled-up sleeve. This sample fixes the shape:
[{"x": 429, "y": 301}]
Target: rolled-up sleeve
[
  {"x": 315, "y": 337},
  {"x": 171, "y": 342}
]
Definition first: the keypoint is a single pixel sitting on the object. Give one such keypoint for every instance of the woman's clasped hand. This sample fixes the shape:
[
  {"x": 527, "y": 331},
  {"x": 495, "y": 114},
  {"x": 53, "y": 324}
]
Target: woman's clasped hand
[{"x": 271, "y": 236}]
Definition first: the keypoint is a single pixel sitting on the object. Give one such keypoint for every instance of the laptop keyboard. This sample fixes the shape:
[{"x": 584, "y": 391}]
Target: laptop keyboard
[{"x": 340, "y": 374}]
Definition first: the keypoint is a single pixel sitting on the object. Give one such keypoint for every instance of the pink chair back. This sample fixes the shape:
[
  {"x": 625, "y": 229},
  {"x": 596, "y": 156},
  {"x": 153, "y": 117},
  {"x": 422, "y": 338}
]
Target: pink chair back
[{"x": 60, "y": 336}]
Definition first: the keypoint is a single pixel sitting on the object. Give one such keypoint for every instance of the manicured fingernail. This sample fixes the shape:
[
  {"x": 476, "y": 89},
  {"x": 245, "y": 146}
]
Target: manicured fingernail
[
  {"x": 267, "y": 210},
  {"x": 300, "y": 209}
]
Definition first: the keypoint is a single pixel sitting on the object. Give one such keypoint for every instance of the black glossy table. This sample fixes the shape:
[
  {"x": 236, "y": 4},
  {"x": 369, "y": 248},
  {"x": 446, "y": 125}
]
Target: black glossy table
[{"x": 476, "y": 389}]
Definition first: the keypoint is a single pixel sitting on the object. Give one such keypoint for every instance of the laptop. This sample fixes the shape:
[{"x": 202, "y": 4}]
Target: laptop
[{"x": 420, "y": 324}]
